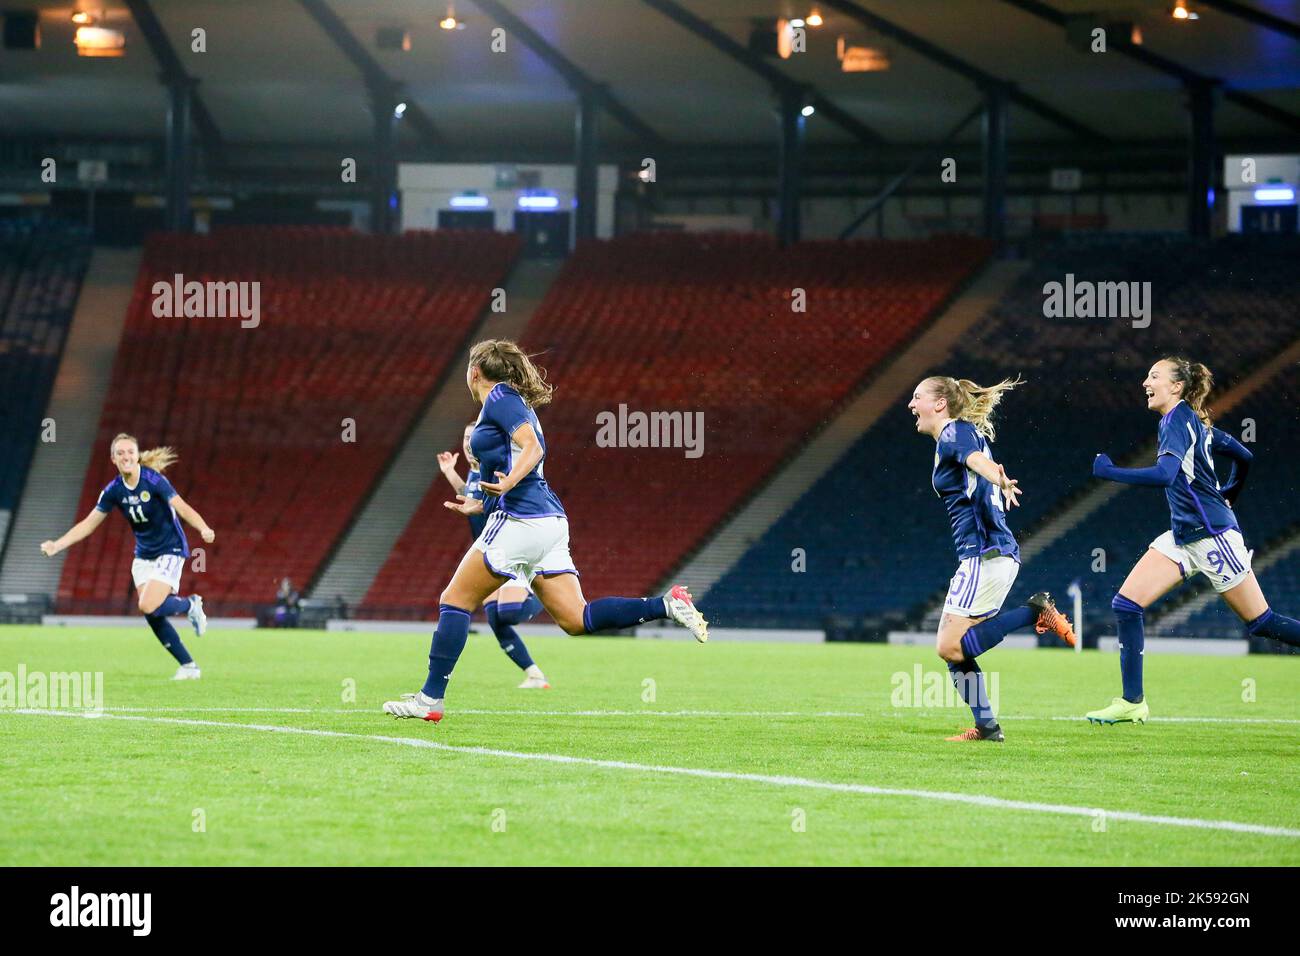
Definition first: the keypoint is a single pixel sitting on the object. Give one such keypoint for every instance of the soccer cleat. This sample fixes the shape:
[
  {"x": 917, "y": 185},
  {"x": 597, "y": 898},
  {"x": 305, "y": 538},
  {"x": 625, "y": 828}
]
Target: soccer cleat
[
  {"x": 415, "y": 705},
  {"x": 993, "y": 734},
  {"x": 1050, "y": 619},
  {"x": 534, "y": 679},
  {"x": 188, "y": 671},
  {"x": 680, "y": 607},
  {"x": 198, "y": 620},
  {"x": 1120, "y": 711}
]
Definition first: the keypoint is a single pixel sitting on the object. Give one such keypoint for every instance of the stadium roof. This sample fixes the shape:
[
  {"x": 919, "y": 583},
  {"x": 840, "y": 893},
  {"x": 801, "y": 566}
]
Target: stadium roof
[{"x": 272, "y": 75}]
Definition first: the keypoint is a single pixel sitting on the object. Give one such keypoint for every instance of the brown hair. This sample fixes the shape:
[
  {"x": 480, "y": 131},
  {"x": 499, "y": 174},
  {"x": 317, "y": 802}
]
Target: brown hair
[
  {"x": 159, "y": 459},
  {"x": 1197, "y": 382},
  {"x": 970, "y": 402},
  {"x": 501, "y": 360}
]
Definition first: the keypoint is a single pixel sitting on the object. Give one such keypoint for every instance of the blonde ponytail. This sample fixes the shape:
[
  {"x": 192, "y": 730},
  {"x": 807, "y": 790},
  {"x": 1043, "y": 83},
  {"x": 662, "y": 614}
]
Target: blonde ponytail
[
  {"x": 159, "y": 459},
  {"x": 971, "y": 402}
]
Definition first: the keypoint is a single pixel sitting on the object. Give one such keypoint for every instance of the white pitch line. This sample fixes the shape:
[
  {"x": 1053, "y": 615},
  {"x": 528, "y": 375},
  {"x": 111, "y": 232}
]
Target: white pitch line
[
  {"x": 673, "y": 713},
  {"x": 779, "y": 781}
]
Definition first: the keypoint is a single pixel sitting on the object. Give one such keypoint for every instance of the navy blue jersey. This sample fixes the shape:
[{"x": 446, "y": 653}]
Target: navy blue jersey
[
  {"x": 472, "y": 490},
  {"x": 147, "y": 507},
  {"x": 1196, "y": 506},
  {"x": 979, "y": 524},
  {"x": 503, "y": 412}
]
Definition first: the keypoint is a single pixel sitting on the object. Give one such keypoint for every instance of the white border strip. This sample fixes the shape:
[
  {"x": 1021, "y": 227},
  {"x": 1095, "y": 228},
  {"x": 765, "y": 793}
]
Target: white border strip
[{"x": 778, "y": 781}]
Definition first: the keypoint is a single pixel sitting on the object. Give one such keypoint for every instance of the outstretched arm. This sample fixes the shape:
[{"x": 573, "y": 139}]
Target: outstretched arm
[
  {"x": 1159, "y": 475},
  {"x": 987, "y": 468},
  {"x": 193, "y": 518},
  {"x": 78, "y": 532}
]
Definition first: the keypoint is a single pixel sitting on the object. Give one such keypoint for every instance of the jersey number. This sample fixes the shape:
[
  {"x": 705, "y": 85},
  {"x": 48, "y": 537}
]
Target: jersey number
[{"x": 136, "y": 513}]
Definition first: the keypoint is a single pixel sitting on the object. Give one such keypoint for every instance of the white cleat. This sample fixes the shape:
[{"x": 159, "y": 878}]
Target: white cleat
[
  {"x": 198, "y": 620},
  {"x": 188, "y": 671},
  {"x": 534, "y": 679},
  {"x": 415, "y": 705},
  {"x": 680, "y": 607}
]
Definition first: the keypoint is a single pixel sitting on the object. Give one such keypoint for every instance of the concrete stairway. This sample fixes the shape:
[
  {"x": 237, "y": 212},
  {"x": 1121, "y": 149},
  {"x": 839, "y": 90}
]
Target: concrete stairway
[
  {"x": 53, "y": 485},
  {"x": 358, "y": 558}
]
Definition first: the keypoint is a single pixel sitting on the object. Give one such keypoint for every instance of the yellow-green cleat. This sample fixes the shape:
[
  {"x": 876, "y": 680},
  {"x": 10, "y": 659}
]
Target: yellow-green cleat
[{"x": 1120, "y": 711}]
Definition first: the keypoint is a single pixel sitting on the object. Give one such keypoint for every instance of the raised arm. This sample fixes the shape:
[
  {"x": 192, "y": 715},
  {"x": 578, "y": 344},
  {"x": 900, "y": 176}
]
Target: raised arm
[
  {"x": 447, "y": 465},
  {"x": 78, "y": 532},
  {"x": 192, "y": 518}
]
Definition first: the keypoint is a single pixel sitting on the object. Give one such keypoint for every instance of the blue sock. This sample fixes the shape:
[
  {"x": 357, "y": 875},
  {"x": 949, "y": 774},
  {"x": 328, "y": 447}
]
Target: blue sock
[
  {"x": 605, "y": 614},
  {"x": 449, "y": 639},
  {"x": 508, "y": 637},
  {"x": 1277, "y": 627},
  {"x": 518, "y": 613},
  {"x": 988, "y": 633},
  {"x": 167, "y": 636},
  {"x": 1128, "y": 621},
  {"x": 969, "y": 681},
  {"x": 174, "y": 605}
]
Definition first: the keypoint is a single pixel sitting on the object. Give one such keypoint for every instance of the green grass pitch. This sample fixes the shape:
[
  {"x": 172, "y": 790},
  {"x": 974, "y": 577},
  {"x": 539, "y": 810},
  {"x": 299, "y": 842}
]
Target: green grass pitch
[{"x": 75, "y": 790}]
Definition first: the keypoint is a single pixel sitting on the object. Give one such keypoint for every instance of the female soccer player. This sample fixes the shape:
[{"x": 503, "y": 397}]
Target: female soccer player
[
  {"x": 1204, "y": 536},
  {"x": 511, "y": 604},
  {"x": 975, "y": 489},
  {"x": 526, "y": 536},
  {"x": 153, "y": 507}
]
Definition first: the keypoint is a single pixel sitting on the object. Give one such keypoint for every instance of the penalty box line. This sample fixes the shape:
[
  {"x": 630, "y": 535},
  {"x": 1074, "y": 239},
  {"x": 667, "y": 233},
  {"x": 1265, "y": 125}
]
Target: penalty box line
[{"x": 769, "y": 779}]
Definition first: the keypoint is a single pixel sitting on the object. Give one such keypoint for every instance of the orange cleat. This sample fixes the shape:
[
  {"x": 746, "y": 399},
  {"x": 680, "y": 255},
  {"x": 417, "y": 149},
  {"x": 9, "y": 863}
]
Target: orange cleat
[
  {"x": 1050, "y": 619},
  {"x": 993, "y": 734}
]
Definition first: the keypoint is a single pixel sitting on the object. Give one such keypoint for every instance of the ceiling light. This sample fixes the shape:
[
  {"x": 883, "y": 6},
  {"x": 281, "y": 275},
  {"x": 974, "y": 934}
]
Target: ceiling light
[
  {"x": 98, "y": 41},
  {"x": 814, "y": 19}
]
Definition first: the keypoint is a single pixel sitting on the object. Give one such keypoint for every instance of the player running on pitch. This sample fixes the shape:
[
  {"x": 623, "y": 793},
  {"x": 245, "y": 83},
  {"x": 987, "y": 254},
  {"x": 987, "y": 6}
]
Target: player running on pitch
[
  {"x": 527, "y": 532},
  {"x": 512, "y": 603},
  {"x": 1204, "y": 536},
  {"x": 154, "y": 510},
  {"x": 957, "y": 414}
]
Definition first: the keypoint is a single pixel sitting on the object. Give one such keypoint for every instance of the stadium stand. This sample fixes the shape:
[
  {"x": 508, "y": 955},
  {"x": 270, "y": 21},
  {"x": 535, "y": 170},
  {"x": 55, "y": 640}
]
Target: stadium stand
[
  {"x": 352, "y": 328},
  {"x": 693, "y": 323},
  {"x": 883, "y": 515},
  {"x": 42, "y": 263}
]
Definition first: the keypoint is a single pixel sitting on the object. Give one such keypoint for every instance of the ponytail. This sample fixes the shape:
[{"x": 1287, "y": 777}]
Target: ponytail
[
  {"x": 970, "y": 402},
  {"x": 1197, "y": 383},
  {"x": 501, "y": 360},
  {"x": 159, "y": 459}
]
